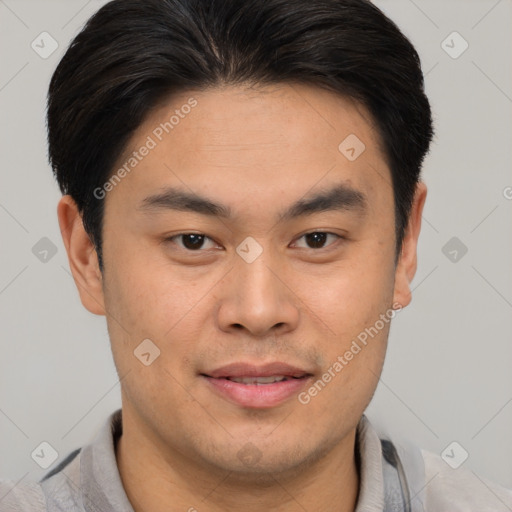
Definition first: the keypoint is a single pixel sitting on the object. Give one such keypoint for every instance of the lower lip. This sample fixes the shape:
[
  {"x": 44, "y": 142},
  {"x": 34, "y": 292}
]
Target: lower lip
[{"x": 259, "y": 396}]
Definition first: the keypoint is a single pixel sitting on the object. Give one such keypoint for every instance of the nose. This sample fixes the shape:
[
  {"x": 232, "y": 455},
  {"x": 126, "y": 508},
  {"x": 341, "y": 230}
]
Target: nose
[{"x": 258, "y": 298}]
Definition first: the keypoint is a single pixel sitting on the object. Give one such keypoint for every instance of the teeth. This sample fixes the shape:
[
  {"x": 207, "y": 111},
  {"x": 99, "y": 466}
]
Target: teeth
[{"x": 258, "y": 380}]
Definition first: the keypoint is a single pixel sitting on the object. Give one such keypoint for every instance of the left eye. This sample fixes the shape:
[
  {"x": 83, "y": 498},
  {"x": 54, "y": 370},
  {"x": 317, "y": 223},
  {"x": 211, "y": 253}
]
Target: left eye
[
  {"x": 192, "y": 241},
  {"x": 317, "y": 239}
]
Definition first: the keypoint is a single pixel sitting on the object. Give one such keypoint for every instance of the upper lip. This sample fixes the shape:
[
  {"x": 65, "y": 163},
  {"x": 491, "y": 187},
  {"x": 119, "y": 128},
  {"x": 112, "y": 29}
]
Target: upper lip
[{"x": 241, "y": 369}]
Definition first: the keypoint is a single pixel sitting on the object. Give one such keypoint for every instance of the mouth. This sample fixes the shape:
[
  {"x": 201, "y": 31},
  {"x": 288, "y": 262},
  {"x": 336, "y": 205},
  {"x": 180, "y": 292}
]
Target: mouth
[
  {"x": 262, "y": 380},
  {"x": 257, "y": 387}
]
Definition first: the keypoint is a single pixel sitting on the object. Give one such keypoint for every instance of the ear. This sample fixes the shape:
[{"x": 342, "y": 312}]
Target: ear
[
  {"x": 82, "y": 257},
  {"x": 407, "y": 263}
]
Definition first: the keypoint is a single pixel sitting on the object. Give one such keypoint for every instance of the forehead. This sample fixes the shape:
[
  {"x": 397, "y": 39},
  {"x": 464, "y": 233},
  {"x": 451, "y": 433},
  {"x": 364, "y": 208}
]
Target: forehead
[
  {"x": 282, "y": 140},
  {"x": 280, "y": 117}
]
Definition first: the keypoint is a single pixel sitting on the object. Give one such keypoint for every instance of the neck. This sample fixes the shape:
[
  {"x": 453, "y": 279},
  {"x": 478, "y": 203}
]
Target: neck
[{"x": 159, "y": 478}]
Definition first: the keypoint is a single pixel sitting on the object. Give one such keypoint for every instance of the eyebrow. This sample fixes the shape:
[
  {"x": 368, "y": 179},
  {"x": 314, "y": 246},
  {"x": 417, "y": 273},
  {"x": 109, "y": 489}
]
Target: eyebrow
[{"x": 341, "y": 197}]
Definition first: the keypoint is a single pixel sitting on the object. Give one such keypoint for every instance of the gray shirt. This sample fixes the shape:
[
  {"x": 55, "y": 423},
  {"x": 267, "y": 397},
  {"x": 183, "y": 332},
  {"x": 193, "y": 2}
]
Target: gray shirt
[{"x": 393, "y": 477}]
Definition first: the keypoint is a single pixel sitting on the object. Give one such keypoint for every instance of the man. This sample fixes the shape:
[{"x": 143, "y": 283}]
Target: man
[{"x": 242, "y": 201}]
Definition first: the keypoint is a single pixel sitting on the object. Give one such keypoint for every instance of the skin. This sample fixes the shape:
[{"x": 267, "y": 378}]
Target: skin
[{"x": 257, "y": 151}]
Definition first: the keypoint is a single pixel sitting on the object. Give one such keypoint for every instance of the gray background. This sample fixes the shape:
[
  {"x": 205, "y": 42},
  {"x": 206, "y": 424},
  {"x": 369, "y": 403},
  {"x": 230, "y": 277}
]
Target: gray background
[{"x": 447, "y": 375}]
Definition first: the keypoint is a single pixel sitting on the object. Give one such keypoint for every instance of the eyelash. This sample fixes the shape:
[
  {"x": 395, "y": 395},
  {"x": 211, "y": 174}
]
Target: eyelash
[{"x": 174, "y": 237}]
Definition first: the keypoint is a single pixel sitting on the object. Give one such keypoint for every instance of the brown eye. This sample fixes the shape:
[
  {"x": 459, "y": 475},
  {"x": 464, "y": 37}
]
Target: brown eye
[
  {"x": 318, "y": 239},
  {"x": 192, "y": 241}
]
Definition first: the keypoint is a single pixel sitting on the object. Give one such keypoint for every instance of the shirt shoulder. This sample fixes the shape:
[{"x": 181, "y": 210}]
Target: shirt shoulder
[
  {"x": 461, "y": 489},
  {"x": 21, "y": 496},
  {"x": 433, "y": 486},
  {"x": 58, "y": 490}
]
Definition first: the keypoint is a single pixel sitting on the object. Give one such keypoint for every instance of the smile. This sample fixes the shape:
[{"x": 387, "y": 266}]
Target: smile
[{"x": 257, "y": 387}]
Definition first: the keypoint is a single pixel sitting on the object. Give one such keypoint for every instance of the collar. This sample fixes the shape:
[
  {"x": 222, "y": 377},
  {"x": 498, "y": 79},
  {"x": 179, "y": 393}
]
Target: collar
[
  {"x": 103, "y": 490},
  {"x": 101, "y": 483}
]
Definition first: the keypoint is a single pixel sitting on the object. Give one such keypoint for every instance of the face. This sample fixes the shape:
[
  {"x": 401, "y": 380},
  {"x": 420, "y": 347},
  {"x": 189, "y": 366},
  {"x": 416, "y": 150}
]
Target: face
[{"x": 258, "y": 257}]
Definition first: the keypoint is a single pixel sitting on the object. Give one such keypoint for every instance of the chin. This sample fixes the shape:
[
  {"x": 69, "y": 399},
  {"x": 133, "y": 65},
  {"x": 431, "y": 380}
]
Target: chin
[{"x": 264, "y": 464}]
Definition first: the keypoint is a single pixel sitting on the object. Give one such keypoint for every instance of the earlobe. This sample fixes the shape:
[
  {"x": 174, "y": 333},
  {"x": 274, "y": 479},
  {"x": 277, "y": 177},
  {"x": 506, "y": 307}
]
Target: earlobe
[
  {"x": 407, "y": 263},
  {"x": 82, "y": 256}
]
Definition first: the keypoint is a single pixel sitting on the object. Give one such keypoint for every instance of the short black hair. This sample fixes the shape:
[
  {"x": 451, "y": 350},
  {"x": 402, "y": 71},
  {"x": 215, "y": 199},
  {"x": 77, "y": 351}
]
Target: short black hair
[{"x": 132, "y": 54}]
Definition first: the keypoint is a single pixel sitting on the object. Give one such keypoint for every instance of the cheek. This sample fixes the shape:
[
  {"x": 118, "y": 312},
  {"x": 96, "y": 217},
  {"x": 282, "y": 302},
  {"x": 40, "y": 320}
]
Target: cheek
[
  {"x": 167, "y": 306},
  {"x": 149, "y": 298},
  {"x": 349, "y": 296},
  {"x": 145, "y": 302},
  {"x": 352, "y": 309}
]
